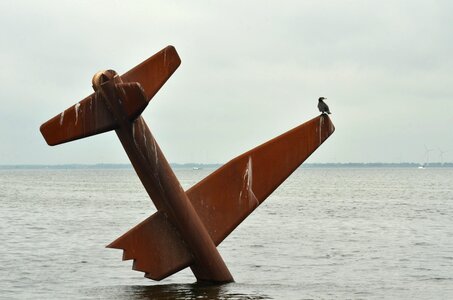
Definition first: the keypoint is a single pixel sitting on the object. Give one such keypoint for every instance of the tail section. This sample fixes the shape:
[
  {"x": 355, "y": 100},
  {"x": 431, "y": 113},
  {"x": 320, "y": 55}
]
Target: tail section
[
  {"x": 224, "y": 198},
  {"x": 155, "y": 71},
  {"x": 90, "y": 116},
  {"x": 86, "y": 118}
]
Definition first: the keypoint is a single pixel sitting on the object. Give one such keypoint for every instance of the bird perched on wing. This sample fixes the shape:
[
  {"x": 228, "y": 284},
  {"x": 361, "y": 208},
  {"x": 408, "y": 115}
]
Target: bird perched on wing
[{"x": 322, "y": 106}]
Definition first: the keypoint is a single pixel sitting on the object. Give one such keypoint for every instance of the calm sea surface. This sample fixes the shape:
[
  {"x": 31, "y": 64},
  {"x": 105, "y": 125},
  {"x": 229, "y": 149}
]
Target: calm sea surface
[{"x": 325, "y": 233}]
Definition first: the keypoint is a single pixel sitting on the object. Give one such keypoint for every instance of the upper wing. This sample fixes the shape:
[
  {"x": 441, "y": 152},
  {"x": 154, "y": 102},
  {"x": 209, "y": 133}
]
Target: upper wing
[
  {"x": 90, "y": 116},
  {"x": 223, "y": 199}
]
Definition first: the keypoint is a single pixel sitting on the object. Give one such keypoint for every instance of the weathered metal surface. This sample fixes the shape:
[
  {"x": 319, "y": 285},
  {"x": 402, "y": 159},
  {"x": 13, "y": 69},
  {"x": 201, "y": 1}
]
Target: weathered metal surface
[
  {"x": 161, "y": 183},
  {"x": 188, "y": 225},
  {"x": 89, "y": 117},
  {"x": 224, "y": 198}
]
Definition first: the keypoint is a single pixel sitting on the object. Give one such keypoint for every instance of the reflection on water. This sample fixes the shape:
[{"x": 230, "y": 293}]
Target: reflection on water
[{"x": 177, "y": 291}]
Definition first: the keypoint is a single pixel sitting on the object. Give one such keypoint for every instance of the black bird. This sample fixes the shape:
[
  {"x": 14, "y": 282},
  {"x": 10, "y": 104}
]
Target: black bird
[{"x": 322, "y": 106}]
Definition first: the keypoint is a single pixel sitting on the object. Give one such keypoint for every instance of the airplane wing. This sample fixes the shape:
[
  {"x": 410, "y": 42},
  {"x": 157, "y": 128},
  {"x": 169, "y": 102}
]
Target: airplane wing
[
  {"x": 90, "y": 116},
  {"x": 223, "y": 199},
  {"x": 155, "y": 71}
]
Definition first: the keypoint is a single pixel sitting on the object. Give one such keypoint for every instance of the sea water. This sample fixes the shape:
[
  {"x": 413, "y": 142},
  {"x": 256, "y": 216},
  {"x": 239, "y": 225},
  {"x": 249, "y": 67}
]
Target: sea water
[{"x": 325, "y": 233}]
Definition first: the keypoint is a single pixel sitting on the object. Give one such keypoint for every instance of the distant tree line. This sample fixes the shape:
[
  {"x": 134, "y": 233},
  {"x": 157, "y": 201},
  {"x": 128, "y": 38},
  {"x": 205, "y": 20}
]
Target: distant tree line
[{"x": 196, "y": 166}]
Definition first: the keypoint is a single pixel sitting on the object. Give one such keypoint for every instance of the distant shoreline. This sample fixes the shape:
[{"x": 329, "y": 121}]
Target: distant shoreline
[{"x": 198, "y": 166}]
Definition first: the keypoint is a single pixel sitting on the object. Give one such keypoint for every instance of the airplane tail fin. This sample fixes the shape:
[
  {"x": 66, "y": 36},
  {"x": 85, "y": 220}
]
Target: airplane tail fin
[
  {"x": 223, "y": 199},
  {"x": 91, "y": 116}
]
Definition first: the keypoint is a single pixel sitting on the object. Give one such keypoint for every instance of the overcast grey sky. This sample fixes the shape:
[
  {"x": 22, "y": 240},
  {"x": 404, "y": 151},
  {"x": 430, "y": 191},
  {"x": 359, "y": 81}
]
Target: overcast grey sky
[{"x": 250, "y": 70}]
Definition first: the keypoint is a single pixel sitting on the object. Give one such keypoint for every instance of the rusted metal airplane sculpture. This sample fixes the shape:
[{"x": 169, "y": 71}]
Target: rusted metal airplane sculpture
[{"x": 189, "y": 225}]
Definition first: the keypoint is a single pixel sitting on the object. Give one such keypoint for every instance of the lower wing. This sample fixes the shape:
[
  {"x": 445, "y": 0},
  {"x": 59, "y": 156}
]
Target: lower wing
[{"x": 223, "y": 199}]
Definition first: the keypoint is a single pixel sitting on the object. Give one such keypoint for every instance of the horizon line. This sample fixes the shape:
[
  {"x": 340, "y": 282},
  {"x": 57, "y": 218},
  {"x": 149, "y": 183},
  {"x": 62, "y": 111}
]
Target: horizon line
[{"x": 217, "y": 165}]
